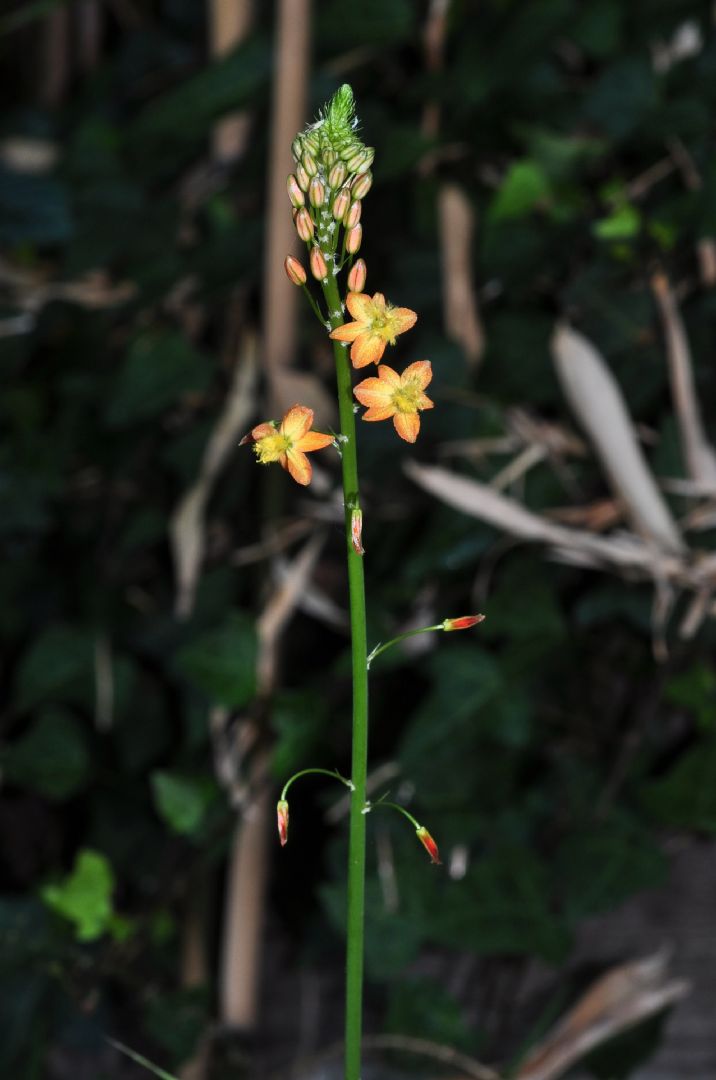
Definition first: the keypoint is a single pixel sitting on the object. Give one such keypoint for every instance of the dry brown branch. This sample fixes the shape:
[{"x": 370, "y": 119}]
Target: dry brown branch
[
  {"x": 104, "y": 683},
  {"x": 625, "y": 996},
  {"x": 699, "y": 455},
  {"x": 30, "y": 291},
  {"x": 229, "y": 23},
  {"x": 460, "y": 312},
  {"x": 186, "y": 526},
  {"x": 597, "y": 401}
]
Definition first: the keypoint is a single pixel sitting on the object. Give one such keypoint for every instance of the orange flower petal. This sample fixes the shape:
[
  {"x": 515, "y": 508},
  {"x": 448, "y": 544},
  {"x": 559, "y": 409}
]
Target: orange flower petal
[
  {"x": 348, "y": 332},
  {"x": 388, "y": 375},
  {"x": 262, "y": 430},
  {"x": 313, "y": 440},
  {"x": 407, "y": 425},
  {"x": 373, "y": 392},
  {"x": 424, "y": 402},
  {"x": 360, "y": 306},
  {"x": 402, "y": 319},
  {"x": 299, "y": 466},
  {"x": 379, "y": 412},
  {"x": 421, "y": 372},
  {"x": 367, "y": 349},
  {"x": 296, "y": 422},
  {"x": 379, "y": 300}
]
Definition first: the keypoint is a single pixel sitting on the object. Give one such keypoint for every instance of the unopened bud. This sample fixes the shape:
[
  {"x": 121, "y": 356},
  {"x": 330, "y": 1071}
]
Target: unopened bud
[
  {"x": 318, "y": 264},
  {"x": 359, "y": 162},
  {"x": 296, "y": 149},
  {"x": 353, "y": 214},
  {"x": 340, "y": 204},
  {"x": 425, "y": 839},
  {"x": 309, "y": 163},
  {"x": 353, "y": 239},
  {"x": 337, "y": 175},
  {"x": 282, "y": 821},
  {"x": 357, "y": 275},
  {"x": 362, "y": 185},
  {"x": 368, "y": 158},
  {"x": 464, "y": 622},
  {"x": 357, "y": 531},
  {"x": 294, "y": 270},
  {"x": 304, "y": 224},
  {"x": 329, "y": 157},
  {"x": 302, "y": 177},
  {"x": 316, "y": 192},
  {"x": 312, "y": 142},
  {"x": 294, "y": 192}
]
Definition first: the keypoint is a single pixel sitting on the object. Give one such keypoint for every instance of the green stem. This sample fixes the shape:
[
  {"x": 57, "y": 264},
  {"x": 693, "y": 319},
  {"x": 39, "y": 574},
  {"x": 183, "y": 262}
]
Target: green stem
[
  {"x": 359, "y": 648},
  {"x": 325, "y": 772},
  {"x": 400, "y": 809},
  {"x": 401, "y": 637}
]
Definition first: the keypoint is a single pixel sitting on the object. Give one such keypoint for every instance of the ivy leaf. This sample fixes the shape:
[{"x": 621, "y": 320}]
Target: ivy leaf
[
  {"x": 51, "y": 758},
  {"x": 84, "y": 897},
  {"x": 525, "y": 184},
  {"x": 182, "y": 801},
  {"x": 59, "y": 661}
]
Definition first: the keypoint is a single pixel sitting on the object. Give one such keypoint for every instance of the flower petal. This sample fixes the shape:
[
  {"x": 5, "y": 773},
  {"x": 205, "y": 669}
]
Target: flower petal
[
  {"x": 407, "y": 425},
  {"x": 379, "y": 412},
  {"x": 261, "y": 431},
  {"x": 421, "y": 372},
  {"x": 313, "y": 440},
  {"x": 367, "y": 349},
  {"x": 402, "y": 318},
  {"x": 348, "y": 332},
  {"x": 299, "y": 466},
  {"x": 360, "y": 306},
  {"x": 388, "y": 375},
  {"x": 296, "y": 422},
  {"x": 424, "y": 402},
  {"x": 373, "y": 392},
  {"x": 379, "y": 302}
]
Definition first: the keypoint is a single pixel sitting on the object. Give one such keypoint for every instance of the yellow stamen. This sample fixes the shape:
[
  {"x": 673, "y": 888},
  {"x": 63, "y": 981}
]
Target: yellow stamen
[{"x": 271, "y": 447}]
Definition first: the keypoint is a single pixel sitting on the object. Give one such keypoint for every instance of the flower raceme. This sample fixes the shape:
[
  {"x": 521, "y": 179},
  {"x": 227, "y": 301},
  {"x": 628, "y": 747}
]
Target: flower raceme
[
  {"x": 398, "y": 396},
  {"x": 289, "y": 442},
  {"x": 375, "y": 325}
]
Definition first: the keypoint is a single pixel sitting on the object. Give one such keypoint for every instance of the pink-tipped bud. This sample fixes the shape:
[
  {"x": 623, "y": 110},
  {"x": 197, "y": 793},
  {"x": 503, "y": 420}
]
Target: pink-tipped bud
[
  {"x": 316, "y": 192},
  {"x": 302, "y": 177},
  {"x": 353, "y": 214},
  {"x": 357, "y": 531},
  {"x": 294, "y": 192},
  {"x": 318, "y": 264},
  {"x": 353, "y": 239},
  {"x": 294, "y": 270},
  {"x": 362, "y": 185},
  {"x": 426, "y": 840},
  {"x": 340, "y": 204},
  {"x": 304, "y": 224},
  {"x": 309, "y": 163},
  {"x": 463, "y": 623},
  {"x": 337, "y": 175},
  {"x": 357, "y": 275},
  {"x": 282, "y": 821}
]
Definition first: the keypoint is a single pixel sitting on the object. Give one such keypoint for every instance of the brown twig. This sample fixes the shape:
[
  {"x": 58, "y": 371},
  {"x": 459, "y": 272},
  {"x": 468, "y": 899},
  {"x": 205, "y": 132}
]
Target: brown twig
[{"x": 229, "y": 24}]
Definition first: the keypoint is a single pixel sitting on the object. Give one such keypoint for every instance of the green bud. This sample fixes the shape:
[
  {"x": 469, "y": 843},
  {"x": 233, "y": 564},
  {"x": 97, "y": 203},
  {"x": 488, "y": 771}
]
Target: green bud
[
  {"x": 329, "y": 157},
  {"x": 354, "y": 162},
  {"x": 296, "y": 148},
  {"x": 309, "y": 163}
]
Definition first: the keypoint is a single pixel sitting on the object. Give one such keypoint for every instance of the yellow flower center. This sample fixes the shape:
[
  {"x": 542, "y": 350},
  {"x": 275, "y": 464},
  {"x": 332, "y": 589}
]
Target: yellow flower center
[
  {"x": 406, "y": 398},
  {"x": 271, "y": 447}
]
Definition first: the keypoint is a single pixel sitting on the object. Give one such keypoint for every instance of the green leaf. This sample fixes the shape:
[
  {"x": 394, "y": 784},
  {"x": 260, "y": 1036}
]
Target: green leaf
[
  {"x": 686, "y": 797},
  {"x": 182, "y": 801},
  {"x": 59, "y": 660},
  {"x": 85, "y": 895},
  {"x": 51, "y": 758},
  {"x": 524, "y": 185},
  {"x": 161, "y": 366},
  {"x": 623, "y": 223},
  {"x": 222, "y": 663}
]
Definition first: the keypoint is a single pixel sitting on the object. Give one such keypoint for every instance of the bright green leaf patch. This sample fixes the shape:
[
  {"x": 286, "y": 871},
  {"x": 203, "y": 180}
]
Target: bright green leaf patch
[
  {"x": 84, "y": 897},
  {"x": 182, "y": 801},
  {"x": 525, "y": 185}
]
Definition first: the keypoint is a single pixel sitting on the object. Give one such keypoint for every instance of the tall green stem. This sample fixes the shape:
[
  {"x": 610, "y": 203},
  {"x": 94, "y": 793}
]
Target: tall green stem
[{"x": 356, "y": 591}]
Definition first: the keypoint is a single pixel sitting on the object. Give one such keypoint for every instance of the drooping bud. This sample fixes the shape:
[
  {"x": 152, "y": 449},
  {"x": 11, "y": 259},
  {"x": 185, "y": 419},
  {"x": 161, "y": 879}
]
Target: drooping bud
[
  {"x": 282, "y": 821},
  {"x": 463, "y": 623},
  {"x": 318, "y": 264},
  {"x": 362, "y": 185},
  {"x": 340, "y": 204},
  {"x": 294, "y": 192},
  {"x": 302, "y": 177},
  {"x": 356, "y": 276},
  {"x": 353, "y": 239},
  {"x": 357, "y": 531},
  {"x": 337, "y": 175},
  {"x": 294, "y": 270},
  {"x": 316, "y": 192},
  {"x": 304, "y": 224},
  {"x": 428, "y": 843},
  {"x": 309, "y": 163},
  {"x": 353, "y": 214}
]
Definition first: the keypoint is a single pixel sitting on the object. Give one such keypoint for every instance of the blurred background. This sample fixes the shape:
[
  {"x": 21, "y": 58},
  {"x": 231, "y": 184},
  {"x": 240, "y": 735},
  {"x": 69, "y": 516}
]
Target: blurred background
[{"x": 173, "y": 618}]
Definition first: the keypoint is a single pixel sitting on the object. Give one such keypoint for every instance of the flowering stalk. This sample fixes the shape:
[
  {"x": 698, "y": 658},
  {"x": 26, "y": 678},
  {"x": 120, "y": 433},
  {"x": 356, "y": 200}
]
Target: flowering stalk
[
  {"x": 464, "y": 622},
  {"x": 420, "y": 831}
]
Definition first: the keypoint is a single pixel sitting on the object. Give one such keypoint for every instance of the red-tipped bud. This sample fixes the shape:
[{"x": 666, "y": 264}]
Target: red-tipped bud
[
  {"x": 302, "y": 177},
  {"x": 318, "y": 264},
  {"x": 463, "y": 623},
  {"x": 309, "y": 163},
  {"x": 362, "y": 185},
  {"x": 357, "y": 275},
  {"x": 282, "y": 821},
  {"x": 304, "y": 224},
  {"x": 340, "y": 204},
  {"x": 357, "y": 531},
  {"x": 353, "y": 214},
  {"x": 294, "y": 192},
  {"x": 425, "y": 839},
  {"x": 337, "y": 175},
  {"x": 294, "y": 270},
  {"x": 353, "y": 239},
  {"x": 316, "y": 192}
]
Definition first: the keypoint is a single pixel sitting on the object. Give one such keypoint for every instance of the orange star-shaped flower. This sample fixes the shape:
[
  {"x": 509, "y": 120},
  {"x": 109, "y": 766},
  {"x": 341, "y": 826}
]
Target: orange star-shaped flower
[
  {"x": 288, "y": 442},
  {"x": 399, "y": 396},
  {"x": 376, "y": 325}
]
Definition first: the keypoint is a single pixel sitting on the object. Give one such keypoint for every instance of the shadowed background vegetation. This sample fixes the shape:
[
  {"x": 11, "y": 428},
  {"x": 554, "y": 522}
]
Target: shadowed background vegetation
[{"x": 173, "y": 617}]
